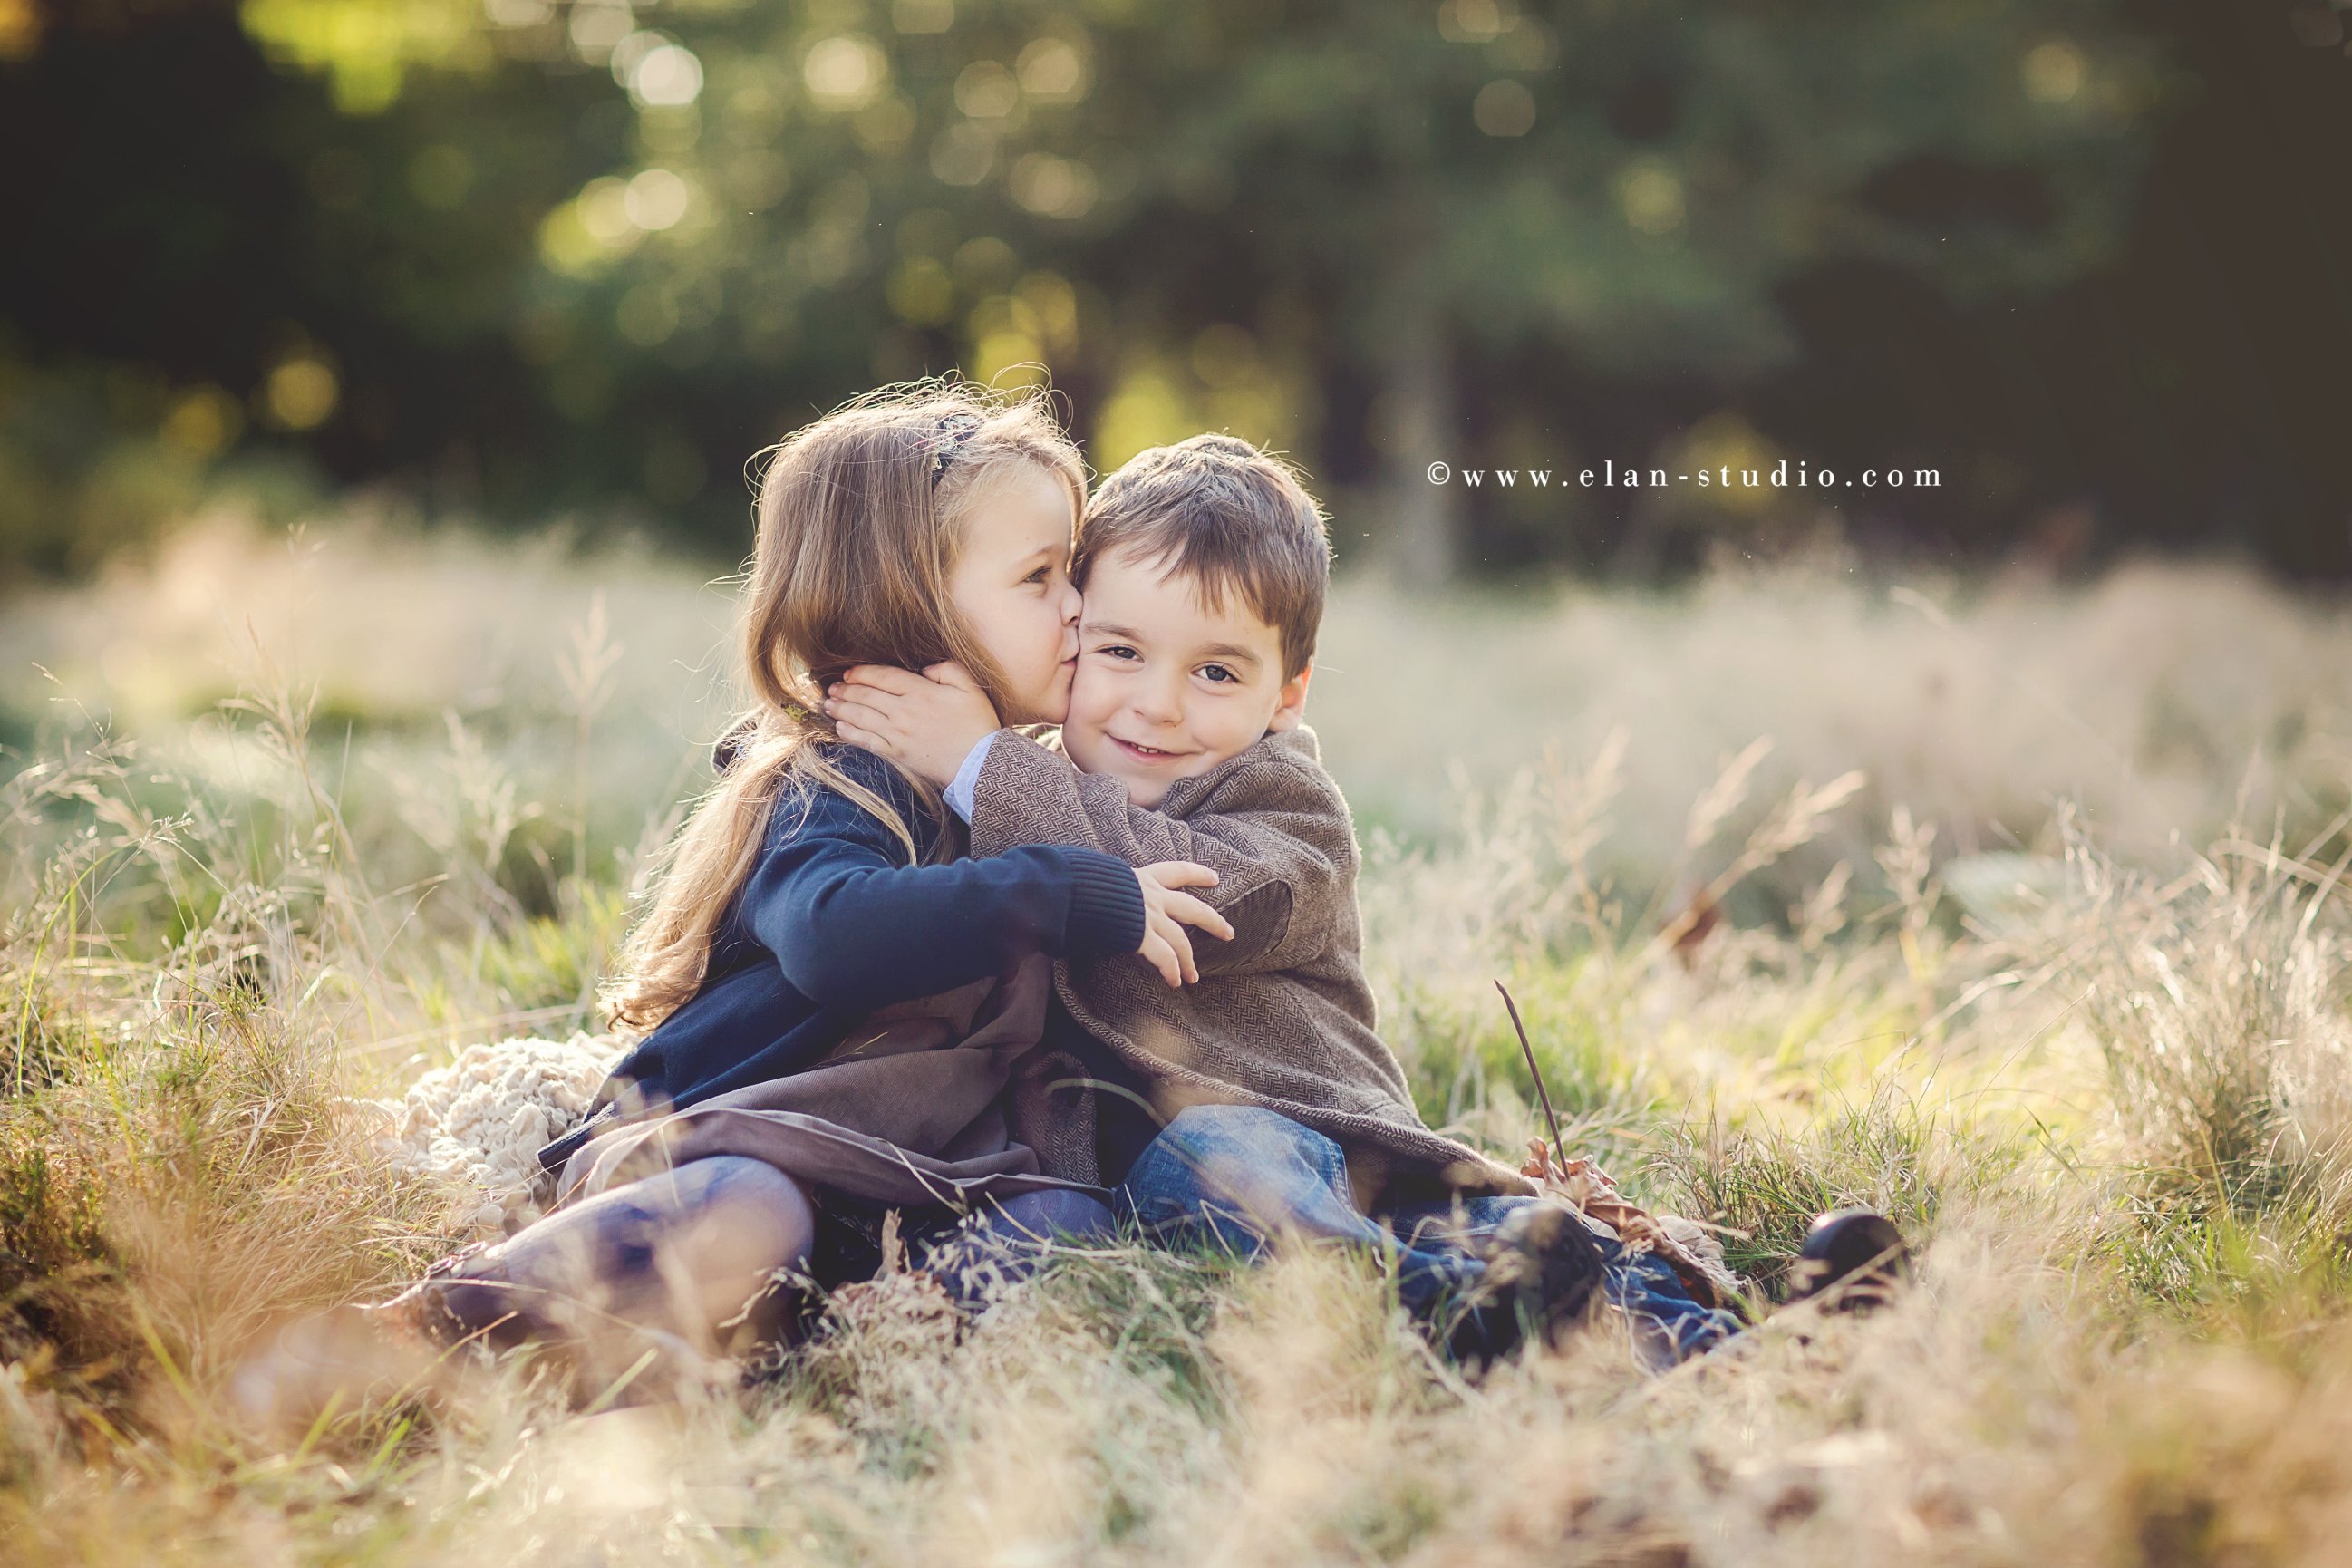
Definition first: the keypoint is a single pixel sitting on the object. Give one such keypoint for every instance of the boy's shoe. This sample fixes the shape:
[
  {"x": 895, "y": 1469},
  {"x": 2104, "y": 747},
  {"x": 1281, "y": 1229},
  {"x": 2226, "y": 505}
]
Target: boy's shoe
[
  {"x": 1854, "y": 1260},
  {"x": 1543, "y": 1270}
]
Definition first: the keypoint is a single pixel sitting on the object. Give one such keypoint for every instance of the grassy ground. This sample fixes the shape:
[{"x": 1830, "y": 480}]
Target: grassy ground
[{"x": 2025, "y": 927}]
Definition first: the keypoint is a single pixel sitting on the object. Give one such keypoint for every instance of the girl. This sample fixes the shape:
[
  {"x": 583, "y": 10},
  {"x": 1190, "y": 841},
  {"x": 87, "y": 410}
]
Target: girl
[{"x": 816, "y": 883}]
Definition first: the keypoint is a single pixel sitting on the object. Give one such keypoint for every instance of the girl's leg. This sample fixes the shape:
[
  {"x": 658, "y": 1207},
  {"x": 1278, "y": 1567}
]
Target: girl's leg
[
  {"x": 661, "y": 1264},
  {"x": 681, "y": 1253}
]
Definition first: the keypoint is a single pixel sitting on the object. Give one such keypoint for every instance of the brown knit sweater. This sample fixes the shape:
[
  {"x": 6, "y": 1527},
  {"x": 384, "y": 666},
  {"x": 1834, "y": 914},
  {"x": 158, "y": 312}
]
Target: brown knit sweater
[{"x": 1281, "y": 1016}]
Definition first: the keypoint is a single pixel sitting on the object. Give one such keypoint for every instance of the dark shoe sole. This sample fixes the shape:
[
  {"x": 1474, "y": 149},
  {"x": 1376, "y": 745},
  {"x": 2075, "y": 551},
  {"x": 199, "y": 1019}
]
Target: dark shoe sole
[{"x": 1854, "y": 1260}]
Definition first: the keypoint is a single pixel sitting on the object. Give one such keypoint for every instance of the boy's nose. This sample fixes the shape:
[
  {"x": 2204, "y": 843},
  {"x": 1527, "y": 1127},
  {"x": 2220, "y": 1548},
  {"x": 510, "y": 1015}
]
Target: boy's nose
[{"x": 1159, "y": 705}]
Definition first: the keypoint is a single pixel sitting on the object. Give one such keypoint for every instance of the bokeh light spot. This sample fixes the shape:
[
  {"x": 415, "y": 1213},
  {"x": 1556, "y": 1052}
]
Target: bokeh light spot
[
  {"x": 597, "y": 25},
  {"x": 630, "y": 51},
  {"x": 963, "y": 154},
  {"x": 1009, "y": 359},
  {"x": 984, "y": 263},
  {"x": 1003, "y": 315},
  {"x": 1475, "y": 21},
  {"x": 921, "y": 291},
  {"x": 1052, "y": 306},
  {"x": 1724, "y": 442},
  {"x": 1051, "y": 187},
  {"x": 565, "y": 245},
  {"x": 302, "y": 393},
  {"x": 1504, "y": 108},
  {"x": 518, "y": 13},
  {"x": 202, "y": 423},
  {"x": 669, "y": 76},
  {"x": 986, "y": 90},
  {"x": 1052, "y": 71},
  {"x": 1144, "y": 410},
  {"x": 604, "y": 209},
  {"x": 1650, "y": 194},
  {"x": 656, "y": 199},
  {"x": 2054, "y": 72},
  {"x": 845, "y": 72}
]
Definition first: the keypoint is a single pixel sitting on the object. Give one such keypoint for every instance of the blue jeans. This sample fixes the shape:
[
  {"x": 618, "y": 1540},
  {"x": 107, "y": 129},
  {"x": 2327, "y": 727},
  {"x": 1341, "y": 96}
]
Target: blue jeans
[{"x": 1238, "y": 1176}]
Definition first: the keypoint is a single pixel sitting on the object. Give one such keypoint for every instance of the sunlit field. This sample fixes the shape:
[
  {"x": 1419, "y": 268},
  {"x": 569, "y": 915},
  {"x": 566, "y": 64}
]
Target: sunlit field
[{"x": 2009, "y": 907}]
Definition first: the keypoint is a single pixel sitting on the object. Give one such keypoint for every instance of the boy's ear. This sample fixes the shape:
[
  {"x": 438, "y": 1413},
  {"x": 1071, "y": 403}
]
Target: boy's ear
[{"x": 1290, "y": 708}]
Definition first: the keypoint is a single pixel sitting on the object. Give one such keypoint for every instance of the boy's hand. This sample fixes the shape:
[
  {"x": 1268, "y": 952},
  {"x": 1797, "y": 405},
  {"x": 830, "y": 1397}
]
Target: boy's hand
[
  {"x": 1167, "y": 911},
  {"x": 926, "y": 723}
]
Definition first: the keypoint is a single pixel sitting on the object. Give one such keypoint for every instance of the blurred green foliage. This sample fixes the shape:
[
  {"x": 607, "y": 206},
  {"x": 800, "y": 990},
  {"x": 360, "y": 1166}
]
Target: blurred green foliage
[{"x": 523, "y": 257}]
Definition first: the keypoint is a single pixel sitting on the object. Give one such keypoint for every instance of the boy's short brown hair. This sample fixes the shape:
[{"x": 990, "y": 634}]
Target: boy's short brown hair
[{"x": 1228, "y": 517}]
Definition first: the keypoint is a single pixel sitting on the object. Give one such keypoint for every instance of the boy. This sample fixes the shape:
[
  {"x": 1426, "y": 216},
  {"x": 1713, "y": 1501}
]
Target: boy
[{"x": 1270, "y": 1103}]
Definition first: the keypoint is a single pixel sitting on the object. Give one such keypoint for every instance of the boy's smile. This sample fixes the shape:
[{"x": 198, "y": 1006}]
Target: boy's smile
[{"x": 1168, "y": 686}]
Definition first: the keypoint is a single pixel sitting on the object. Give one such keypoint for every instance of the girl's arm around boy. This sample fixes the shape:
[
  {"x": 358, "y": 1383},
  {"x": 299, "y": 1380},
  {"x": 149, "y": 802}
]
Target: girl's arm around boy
[{"x": 853, "y": 925}]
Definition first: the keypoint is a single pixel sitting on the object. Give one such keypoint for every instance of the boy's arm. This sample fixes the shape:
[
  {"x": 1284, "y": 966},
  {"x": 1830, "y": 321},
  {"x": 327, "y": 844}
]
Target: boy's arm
[{"x": 1274, "y": 829}]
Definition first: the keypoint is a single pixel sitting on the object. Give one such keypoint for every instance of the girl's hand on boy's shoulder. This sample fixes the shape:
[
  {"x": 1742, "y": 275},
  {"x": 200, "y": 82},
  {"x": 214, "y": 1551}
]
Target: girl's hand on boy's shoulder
[{"x": 926, "y": 723}]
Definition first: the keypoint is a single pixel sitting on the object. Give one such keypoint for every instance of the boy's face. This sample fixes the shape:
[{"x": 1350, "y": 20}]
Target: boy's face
[{"x": 1166, "y": 688}]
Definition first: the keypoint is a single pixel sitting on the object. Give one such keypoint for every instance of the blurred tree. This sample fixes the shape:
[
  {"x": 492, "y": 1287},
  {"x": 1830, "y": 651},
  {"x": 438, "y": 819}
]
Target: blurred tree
[
  {"x": 530, "y": 254},
  {"x": 214, "y": 256},
  {"x": 1251, "y": 193},
  {"x": 1627, "y": 185},
  {"x": 2190, "y": 393}
]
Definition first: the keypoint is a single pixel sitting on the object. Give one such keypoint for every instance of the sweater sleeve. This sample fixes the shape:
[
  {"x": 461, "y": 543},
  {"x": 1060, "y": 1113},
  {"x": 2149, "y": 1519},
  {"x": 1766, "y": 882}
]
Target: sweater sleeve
[
  {"x": 1274, "y": 829},
  {"x": 852, "y": 925}
]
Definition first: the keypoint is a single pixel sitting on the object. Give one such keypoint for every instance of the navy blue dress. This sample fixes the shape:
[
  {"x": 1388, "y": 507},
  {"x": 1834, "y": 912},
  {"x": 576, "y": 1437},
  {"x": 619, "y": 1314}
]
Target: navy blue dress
[{"x": 831, "y": 923}]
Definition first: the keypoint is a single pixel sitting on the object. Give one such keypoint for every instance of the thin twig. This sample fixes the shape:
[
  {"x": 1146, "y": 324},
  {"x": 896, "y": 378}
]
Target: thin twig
[{"x": 1559, "y": 1144}]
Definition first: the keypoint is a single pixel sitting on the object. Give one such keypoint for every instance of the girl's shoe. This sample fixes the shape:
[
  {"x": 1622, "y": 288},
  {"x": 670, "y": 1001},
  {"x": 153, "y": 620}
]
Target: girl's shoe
[
  {"x": 351, "y": 1354},
  {"x": 1854, "y": 1260},
  {"x": 345, "y": 1356}
]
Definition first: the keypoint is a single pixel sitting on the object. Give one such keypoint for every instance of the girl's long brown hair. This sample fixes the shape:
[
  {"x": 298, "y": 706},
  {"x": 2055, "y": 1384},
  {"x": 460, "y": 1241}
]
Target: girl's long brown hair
[{"x": 856, "y": 538}]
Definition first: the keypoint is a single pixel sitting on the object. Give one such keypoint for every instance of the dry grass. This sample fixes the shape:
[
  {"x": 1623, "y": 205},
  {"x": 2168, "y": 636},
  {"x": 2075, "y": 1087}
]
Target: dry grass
[{"x": 2103, "y": 1077}]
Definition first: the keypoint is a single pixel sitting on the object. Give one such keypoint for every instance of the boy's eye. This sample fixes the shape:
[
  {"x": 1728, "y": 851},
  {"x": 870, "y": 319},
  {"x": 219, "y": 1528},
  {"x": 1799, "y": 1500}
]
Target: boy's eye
[
  {"x": 1219, "y": 673},
  {"x": 1039, "y": 576},
  {"x": 1117, "y": 650}
]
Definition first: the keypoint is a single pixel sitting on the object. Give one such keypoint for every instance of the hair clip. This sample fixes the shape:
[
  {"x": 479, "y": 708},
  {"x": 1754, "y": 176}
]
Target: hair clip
[{"x": 969, "y": 423}]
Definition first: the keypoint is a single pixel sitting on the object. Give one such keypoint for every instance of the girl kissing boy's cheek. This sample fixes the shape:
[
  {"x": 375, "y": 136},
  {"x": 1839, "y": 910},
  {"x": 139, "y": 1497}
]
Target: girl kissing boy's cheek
[{"x": 1009, "y": 585}]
